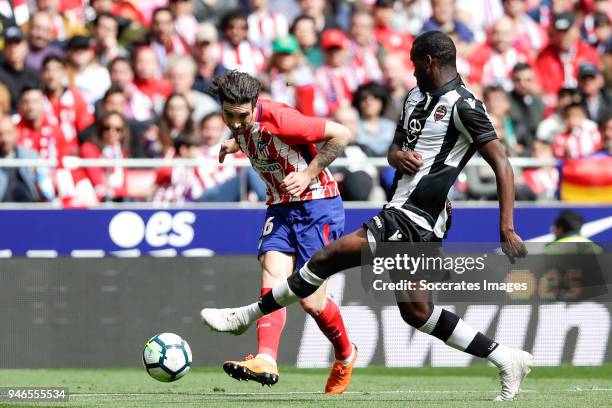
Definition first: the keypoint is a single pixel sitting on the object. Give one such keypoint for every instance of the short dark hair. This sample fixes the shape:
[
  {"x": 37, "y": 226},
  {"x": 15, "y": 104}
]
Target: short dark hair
[
  {"x": 569, "y": 221},
  {"x": 573, "y": 106},
  {"x": 236, "y": 87},
  {"x": 114, "y": 89},
  {"x": 437, "y": 44},
  {"x": 377, "y": 90},
  {"x": 486, "y": 93},
  {"x": 105, "y": 14},
  {"x": 299, "y": 18},
  {"x": 230, "y": 16},
  {"x": 53, "y": 58},
  {"x": 160, "y": 10},
  {"x": 188, "y": 139},
  {"x": 520, "y": 67},
  {"x": 209, "y": 116}
]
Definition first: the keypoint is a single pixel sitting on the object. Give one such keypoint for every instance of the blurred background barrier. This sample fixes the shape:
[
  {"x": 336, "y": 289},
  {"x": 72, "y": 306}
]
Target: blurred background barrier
[
  {"x": 70, "y": 312},
  {"x": 132, "y": 230}
]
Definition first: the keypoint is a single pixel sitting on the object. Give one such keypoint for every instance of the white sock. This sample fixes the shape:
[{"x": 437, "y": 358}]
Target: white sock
[
  {"x": 500, "y": 356},
  {"x": 266, "y": 357},
  {"x": 252, "y": 311}
]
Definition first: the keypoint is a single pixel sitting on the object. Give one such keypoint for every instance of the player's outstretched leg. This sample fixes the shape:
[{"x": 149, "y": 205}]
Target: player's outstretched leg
[
  {"x": 262, "y": 367},
  {"x": 341, "y": 254},
  {"x": 417, "y": 310},
  {"x": 327, "y": 315}
]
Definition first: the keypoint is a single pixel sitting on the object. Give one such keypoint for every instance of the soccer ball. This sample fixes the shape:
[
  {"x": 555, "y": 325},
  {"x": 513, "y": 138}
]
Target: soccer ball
[{"x": 167, "y": 357}]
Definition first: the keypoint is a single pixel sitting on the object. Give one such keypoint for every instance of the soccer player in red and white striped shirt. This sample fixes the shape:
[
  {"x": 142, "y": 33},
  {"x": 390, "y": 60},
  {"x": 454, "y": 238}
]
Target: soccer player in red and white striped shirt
[{"x": 305, "y": 212}]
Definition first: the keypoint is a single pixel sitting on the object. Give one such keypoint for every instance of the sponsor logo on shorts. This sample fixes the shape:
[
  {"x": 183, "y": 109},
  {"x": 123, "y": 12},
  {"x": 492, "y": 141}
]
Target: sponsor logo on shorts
[
  {"x": 397, "y": 236},
  {"x": 377, "y": 221}
]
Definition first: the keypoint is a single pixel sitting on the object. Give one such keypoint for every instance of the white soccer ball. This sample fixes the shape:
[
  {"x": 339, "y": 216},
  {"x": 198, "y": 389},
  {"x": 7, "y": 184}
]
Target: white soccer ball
[{"x": 167, "y": 357}]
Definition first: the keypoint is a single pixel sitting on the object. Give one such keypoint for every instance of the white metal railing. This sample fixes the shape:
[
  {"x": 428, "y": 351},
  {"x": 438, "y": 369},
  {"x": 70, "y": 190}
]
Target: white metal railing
[{"x": 72, "y": 162}]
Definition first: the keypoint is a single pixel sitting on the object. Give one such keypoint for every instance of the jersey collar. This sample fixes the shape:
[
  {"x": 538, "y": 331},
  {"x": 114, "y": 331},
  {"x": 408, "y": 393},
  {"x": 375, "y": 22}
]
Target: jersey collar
[{"x": 449, "y": 86}]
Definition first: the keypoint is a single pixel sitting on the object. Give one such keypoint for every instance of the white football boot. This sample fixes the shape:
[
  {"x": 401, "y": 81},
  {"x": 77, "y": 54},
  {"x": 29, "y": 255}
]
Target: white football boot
[{"x": 512, "y": 374}]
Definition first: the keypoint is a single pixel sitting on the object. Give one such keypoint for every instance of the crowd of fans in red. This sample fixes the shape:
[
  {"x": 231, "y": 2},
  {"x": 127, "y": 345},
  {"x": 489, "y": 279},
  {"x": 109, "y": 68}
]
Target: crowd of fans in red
[{"x": 120, "y": 78}]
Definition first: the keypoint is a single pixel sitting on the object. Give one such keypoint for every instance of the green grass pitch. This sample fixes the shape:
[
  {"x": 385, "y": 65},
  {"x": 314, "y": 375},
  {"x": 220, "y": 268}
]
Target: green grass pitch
[{"x": 473, "y": 386}]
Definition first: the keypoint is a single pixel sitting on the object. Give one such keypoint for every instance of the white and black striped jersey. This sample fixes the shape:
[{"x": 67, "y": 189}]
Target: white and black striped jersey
[{"x": 445, "y": 127}]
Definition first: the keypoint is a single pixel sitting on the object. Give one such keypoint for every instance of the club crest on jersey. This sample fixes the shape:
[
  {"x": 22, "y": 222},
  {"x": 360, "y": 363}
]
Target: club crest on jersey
[
  {"x": 262, "y": 144},
  {"x": 440, "y": 113}
]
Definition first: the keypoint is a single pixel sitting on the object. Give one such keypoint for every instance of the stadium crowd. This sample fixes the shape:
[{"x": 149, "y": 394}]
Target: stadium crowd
[{"x": 121, "y": 78}]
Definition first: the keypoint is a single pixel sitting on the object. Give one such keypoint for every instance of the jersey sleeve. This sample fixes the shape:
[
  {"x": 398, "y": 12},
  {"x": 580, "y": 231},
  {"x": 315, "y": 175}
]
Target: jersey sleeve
[
  {"x": 294, "y": 128},
  {"x": 472, "y": 121}
]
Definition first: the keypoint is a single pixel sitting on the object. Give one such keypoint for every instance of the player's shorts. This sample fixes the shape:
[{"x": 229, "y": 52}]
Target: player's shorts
[
  {"x": 392, "y": 226},
  {"x": 302, "y": 228}
]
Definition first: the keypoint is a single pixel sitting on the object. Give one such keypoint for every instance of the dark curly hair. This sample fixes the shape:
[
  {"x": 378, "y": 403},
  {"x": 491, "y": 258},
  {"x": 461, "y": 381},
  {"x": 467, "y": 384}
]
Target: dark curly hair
[{"x": 236, "y": 87}]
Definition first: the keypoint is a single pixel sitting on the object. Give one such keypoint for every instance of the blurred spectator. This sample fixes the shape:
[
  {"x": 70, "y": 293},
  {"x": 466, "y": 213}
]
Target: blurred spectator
[
  {"x": 529, "y": 37},
  {"x": 542, "y": 181},
  {"x": 40, "y": 37},
  {"x": 357, "y": 180},
  {"x": 139, "y": 106},
  {"x": 115, "y": 100},
  {"x": 391, "y": 40},
  {"x": 20, "y": 184},
  {"x": 398, "y": 81},
  {"x": 410, "y": 16},
  {"x": 110, "y": 141},
  {"x": 374, "y": 132},
  {"x": 64, "y": 103},
  {"x": 148, "y": 77},
  {"x": 606, "y": 132},
  {"x": 211, "y": 11},
  {"x": 204, "y": 52},
  {"x": 37, "y": 130},
  {"x": 559, "y": 61},
  {"x": 185, "y": 23},
  {"x": 131, "y": 27},
  {"x": 595, "y": 99},
  {"x": 479, "y": 15},
  {"x": 337, "y": 77},
  {"x": 582, "y": 137},
  {"x": 106, "y": 34},
  {"x": 498, "y": 107},
  {"x": 163, "y": 40},
  {"x": 526, "y": 108},
  {"x": 492, "y": 63},
  {"x": 85, "y": 73},
  {"x": 181, "y": 72},
  {"x": 63, "y": 26},
  {"x": 363, "y": 47},
  {"x": 13, "y": 72},
  {"x": 304, "y": 30},
  {"x": 596, "y": 29},
  {"x": 291, "y": 81},
  {"x": 236, "y": 52},
  {"x": 5, "y": 100},
  {"x": 265, "y": 25},
  {"x": 443, "y": 19},
  {"x": 316, "y": 10},
  {"x": 175, "y": 119},
  {"x": 554, "y": 124}
]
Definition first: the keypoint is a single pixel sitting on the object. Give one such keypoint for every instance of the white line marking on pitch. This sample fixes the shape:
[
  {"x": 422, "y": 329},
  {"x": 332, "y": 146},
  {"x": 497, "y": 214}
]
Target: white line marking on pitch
[{"x": 246, "y": 394}]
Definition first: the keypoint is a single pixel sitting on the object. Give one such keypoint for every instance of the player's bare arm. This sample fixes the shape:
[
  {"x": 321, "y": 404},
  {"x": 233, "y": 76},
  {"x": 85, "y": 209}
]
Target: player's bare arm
[
  {"x": 336, "y": 138},
  {"x": 230, "y": 146},
  {"x": 512, "y": 244},
  {"x": 408, "y": 162}
]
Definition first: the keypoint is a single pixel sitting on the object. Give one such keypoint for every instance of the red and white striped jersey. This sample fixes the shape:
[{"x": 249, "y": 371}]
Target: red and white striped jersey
[
  {"x": 282, "y": 141},
  {"x": 245, "y": 57}
]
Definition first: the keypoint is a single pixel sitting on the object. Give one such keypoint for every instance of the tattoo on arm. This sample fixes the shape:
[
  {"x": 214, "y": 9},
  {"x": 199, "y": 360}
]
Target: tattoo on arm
[{"x": 328, "y": 154}]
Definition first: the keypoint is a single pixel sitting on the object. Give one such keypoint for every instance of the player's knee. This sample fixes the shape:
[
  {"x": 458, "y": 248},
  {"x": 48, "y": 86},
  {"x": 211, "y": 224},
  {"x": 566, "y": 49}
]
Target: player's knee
[
  {"x": 312, "y": 306},
  {"x": 415, "y": 316}
]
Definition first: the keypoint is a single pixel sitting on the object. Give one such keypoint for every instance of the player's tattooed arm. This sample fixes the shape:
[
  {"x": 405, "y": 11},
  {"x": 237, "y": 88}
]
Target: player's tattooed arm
[
  {"x": 408, "y": 162},
  {"x": 336, "y": 138}
]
